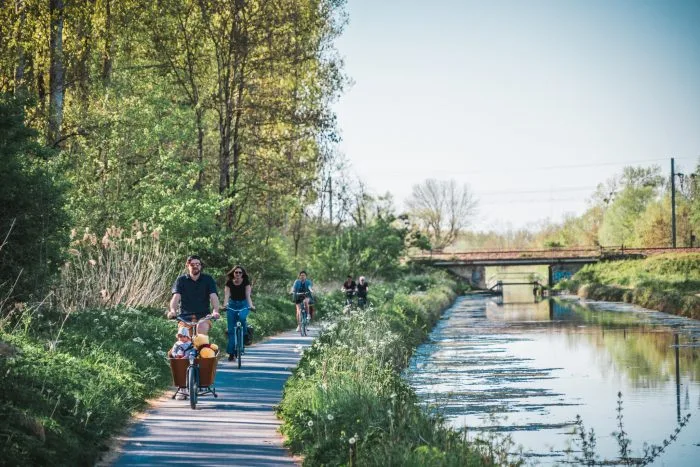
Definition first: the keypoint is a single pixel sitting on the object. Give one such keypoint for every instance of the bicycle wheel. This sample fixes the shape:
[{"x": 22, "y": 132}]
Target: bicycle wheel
[
  {"x": 304, "y": 322},
  {"x": 239, "y": 343},
  {"x": 193, "y": 385}
]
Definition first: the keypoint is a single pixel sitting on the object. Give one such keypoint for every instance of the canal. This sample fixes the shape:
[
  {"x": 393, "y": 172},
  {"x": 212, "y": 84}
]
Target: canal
[{"x": 526, "y": 369}]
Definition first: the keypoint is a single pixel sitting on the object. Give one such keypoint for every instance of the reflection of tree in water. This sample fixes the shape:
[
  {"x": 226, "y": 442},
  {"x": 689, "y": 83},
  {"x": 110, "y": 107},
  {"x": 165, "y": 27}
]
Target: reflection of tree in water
[{"x": 644, "y": 352}]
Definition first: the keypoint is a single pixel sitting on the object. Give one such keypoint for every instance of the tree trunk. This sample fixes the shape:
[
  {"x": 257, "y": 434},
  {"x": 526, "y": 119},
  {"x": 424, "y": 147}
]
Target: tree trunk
[
  {"x": 56, "y": 71},
  {"x": 108, "y": 50},
  {"x": 21, "y": 59},
  {"x": 199, "y": 117}
]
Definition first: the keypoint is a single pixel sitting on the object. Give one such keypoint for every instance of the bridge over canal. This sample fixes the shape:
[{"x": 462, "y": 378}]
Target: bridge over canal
[{"x": 561, "y": 263}]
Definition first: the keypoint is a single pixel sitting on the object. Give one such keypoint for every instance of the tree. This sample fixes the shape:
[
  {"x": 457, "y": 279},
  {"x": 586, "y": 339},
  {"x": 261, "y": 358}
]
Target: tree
[
  {"x": 32, "y": 220},
  {"x": 442, "y": 209}
]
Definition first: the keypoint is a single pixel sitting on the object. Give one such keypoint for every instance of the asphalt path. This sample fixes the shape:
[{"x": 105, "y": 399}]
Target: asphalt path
[{"x": 237, "y": 428}]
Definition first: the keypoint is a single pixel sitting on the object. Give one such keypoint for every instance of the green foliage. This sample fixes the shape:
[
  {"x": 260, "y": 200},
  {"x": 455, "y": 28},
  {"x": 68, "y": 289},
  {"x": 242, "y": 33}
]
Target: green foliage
[
  {"x": 372, "y": 250},
  {"x": 70, "y": 382},
  {"x": 620, "y": 218},
  {"x": 347, "y": 397},
  {"x": 32, "y": 219},
  {"x": 667, "y": 282}
]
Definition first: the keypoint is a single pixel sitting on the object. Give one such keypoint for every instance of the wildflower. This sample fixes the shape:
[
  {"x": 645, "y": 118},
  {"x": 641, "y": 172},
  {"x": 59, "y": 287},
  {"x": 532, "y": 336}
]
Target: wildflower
[
  {"x": 155, "y": 234},
  {"x": 74, "y": 252},
  {"x": 311, "y": 423},
  {"x": 138, "y": 340},
  {"x": 139, "y": 235},
  {"x": 73, "y": 233},
  {"x": 330, "y": 417},
  {"x": 352, "y": 440},
  {"x": 92, "y": 262}
]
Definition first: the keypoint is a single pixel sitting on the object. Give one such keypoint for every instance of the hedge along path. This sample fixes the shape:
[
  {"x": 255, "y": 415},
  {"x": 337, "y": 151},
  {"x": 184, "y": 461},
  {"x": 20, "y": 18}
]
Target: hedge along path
[{"x": 237, "y": 428}]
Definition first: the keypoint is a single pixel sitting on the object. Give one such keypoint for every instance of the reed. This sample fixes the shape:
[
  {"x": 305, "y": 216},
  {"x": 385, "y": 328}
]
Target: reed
[{"x": 128, "y": 268}]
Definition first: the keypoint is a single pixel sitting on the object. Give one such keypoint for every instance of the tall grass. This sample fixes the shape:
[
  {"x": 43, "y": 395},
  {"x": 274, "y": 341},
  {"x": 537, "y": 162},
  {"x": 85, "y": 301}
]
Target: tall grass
[
  {"x": 669, "y": 283},
  {"x": 129, "y": 268}
]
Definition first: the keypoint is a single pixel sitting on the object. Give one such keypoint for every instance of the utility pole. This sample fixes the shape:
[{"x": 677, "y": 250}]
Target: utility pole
[
  {"x": 330, "y": 199},
  {"x": 673, "y": 204}
]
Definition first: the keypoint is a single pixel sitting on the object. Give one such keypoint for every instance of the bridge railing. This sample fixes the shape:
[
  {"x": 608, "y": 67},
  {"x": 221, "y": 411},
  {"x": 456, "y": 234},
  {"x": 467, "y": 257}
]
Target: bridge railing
[{"x": 603, "y": 252}]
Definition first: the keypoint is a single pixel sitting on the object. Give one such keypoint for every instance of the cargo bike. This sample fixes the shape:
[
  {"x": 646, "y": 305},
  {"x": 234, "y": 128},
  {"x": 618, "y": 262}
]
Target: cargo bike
[{"x": 193, "y": 376}]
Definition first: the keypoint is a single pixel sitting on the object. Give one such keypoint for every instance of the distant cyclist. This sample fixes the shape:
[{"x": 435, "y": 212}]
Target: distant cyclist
[
  {"x": 349, "y": 289},
  {"x": 301, "y": 291},
  {"x": 193, "y": 293},
  {"x": 238, "y": 302},
  {"x": 362, "y": 288}
]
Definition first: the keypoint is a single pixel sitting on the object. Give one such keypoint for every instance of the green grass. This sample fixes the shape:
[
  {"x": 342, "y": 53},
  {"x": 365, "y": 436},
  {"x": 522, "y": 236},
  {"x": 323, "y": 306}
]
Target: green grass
[
  {"x": 69, "y": 384},
  {"x": 669, "y": 282},
  {"x": 347, "y": 397}
]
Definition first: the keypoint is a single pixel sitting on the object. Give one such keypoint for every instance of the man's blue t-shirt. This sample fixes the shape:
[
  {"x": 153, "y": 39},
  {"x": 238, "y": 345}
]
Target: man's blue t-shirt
[{"x": 194, "y": 294}]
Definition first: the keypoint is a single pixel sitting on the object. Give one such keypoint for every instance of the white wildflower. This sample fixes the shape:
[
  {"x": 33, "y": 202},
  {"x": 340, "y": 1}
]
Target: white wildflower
[
  {"x": 330, "y": 417},
  {"x": 311, "y": 423}
]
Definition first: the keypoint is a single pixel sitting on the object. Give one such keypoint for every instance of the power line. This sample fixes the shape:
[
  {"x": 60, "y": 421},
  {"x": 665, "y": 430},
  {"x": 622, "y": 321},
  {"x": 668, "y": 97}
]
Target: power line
[
  {"x": 579, "y": 166},
  {"x": 530, "y": 201},
  {"x": 552, "y": 190}
]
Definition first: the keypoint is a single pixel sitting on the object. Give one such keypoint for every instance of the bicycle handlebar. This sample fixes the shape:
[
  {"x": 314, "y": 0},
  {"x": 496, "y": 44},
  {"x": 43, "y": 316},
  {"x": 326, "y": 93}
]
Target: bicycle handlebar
[{"x": 197, "y": 320}]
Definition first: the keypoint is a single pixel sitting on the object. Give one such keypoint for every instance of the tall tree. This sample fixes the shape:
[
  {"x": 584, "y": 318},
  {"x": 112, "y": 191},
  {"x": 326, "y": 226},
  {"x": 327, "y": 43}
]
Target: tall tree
[
  {"x": 56, "y": 71},
  {"x": 442, "y": 208}
]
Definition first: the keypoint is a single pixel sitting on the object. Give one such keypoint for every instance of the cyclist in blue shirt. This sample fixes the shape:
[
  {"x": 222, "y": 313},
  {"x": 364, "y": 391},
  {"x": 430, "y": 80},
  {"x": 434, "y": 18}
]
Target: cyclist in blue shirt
[{"x": 301, "y": 291}]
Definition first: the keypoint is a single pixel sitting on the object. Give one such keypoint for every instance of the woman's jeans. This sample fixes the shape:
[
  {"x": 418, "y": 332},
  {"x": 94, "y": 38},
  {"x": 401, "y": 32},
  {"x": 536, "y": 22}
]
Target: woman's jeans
[{"x": 236, "y": 310}]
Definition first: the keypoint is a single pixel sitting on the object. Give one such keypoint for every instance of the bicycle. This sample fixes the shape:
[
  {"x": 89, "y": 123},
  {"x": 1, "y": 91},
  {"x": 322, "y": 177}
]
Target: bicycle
[
  {"x": 303, "y": 312},
  {"x": 199, "y": 373},
  {"x": 238, "y": 336},
  {"x": 361, "y": 302},
  {"x": 348, "y": 296}
]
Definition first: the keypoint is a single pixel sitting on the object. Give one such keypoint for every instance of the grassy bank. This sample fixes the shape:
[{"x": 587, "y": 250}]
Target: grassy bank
[
  {"x": 669, "y": 283},
  {"x": 71, "y": 382},
  {"x": 346, "y": 403}
]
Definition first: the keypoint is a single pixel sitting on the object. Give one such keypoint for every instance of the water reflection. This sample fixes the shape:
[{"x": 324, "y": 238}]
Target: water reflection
[{"x": 541, "y": 363}]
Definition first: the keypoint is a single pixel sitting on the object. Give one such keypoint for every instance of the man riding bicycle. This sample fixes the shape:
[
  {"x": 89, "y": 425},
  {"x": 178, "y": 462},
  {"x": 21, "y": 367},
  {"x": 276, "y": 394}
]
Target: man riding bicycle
[{"x": 194, "y": 292}]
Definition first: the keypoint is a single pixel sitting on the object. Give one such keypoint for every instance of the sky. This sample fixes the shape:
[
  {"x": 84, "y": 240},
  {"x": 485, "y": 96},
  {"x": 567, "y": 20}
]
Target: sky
[{"x": 531, "y": 103}]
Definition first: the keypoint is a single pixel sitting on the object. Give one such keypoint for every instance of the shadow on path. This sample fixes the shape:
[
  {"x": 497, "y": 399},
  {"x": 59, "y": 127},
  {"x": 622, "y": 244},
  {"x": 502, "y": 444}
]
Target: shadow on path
[{"x": 237, "y": 428}]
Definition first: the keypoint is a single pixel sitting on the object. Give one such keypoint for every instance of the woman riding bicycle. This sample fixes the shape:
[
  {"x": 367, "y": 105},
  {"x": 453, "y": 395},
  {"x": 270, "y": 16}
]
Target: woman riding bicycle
[
  {"x": 301, "y": 291},
  {"x": 349, "y": 289},
  {"x": 238, "y": 305}
]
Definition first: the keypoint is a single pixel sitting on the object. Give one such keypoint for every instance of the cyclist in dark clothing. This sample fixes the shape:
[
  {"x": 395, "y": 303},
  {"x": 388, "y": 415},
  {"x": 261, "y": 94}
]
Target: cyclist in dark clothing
[
  {"x": 362, "y": 287},
  {"x": 349, "y": 289},
  {"x": 193, "y": 293},
  {"x": 238, "y": 305}
]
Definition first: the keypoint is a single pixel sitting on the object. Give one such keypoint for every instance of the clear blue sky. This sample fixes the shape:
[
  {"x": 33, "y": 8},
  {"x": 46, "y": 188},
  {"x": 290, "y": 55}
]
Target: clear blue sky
[{"x": 499, "y": 94}]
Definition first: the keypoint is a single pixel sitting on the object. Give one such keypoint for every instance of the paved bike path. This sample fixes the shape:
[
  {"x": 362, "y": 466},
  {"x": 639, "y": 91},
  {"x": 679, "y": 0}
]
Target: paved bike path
[{"x": 237, "y": 428}]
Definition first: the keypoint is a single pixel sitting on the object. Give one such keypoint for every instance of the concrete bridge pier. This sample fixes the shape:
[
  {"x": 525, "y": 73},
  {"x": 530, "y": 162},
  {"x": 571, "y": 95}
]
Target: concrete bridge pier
[
  {"x": 562, "y": 271},
  {"x": 475, "y": 275}
]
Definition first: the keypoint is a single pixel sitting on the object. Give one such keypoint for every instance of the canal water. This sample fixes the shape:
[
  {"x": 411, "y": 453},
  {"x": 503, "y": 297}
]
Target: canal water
[{"x": 526, "y": 369}]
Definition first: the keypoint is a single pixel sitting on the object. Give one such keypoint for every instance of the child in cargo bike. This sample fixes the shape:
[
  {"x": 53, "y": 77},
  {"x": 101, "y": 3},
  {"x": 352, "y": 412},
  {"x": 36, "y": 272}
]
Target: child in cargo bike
[{"x": 183, "y": 347}]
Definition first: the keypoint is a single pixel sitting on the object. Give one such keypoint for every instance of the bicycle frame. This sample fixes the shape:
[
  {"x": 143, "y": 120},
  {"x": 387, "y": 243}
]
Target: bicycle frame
[
  {"x": 238, "y": 337},
  {"x": 192, "y": 374}
]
